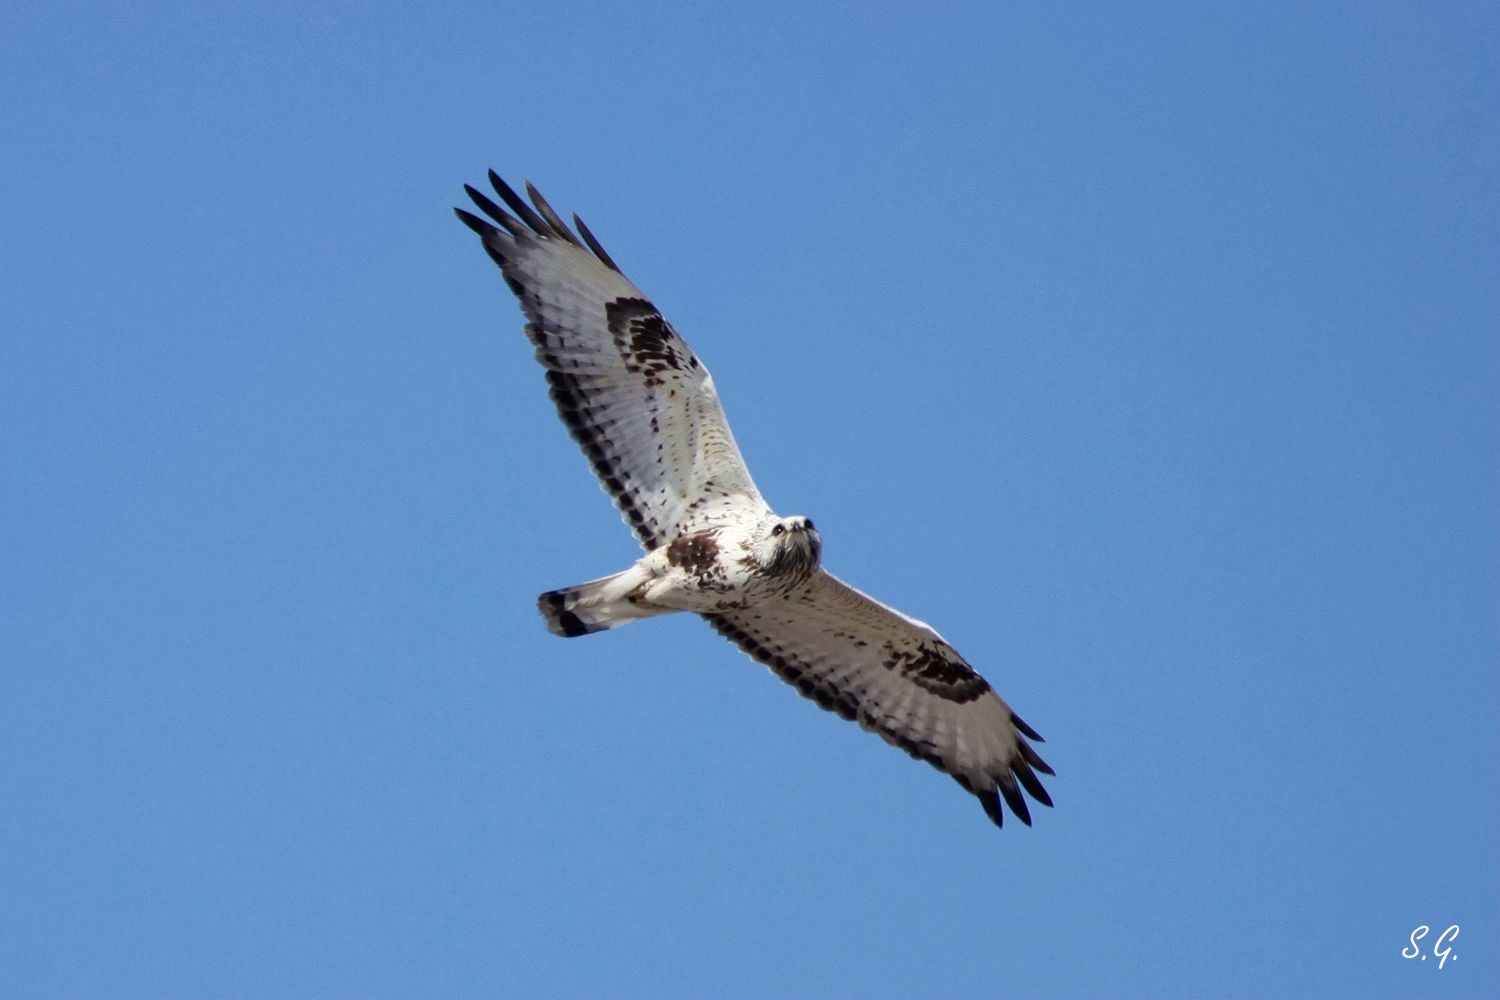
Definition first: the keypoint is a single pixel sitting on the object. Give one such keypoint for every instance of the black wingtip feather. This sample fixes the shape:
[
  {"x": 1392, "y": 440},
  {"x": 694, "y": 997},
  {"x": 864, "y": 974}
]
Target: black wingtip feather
[
  {"x": 988, "y": 798},
  {"x": 558, "y": 226},
  {"x": 1015, "y": 800},
  {"x": 1034, "y": 759},
  {"x": 542, "y": 220},
  {"x": 1020, "y": 724},
  {"x": 593, "y": 243},
  {"x": 1029, "y": 781},
  {"x": 518, "y": 205},
  {"x": 991, "y": 803},
  {"x": 474, "y": 222},
  {"x": 494, "y": 211}
]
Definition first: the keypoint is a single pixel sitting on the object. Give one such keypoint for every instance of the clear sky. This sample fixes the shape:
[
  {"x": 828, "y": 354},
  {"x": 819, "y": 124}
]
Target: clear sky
[{"x": 1149, "y": 351}]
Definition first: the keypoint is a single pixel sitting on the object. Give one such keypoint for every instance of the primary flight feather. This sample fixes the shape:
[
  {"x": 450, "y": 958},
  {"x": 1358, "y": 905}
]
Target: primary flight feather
[{"x": 643, "y": 408}]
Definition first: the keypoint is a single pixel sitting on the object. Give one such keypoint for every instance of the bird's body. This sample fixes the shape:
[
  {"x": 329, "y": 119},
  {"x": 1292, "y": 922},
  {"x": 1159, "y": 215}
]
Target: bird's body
[
  {"x": 644, "y": 409},
  {"x": 714, "y": 570}
]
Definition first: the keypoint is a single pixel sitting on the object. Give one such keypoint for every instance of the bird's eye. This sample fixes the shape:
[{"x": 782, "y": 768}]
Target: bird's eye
[
  {"x": 779, "y": 529},
  {"x": 808, "y": 524}
]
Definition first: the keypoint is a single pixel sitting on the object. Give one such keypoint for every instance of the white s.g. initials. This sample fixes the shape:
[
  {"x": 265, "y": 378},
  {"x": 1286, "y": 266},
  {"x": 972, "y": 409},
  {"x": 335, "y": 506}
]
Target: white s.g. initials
[
  {"x": 1440, "y": 947},
  {"x": 1416, "y": 936},
  {"x": 1451, "y": 934}
]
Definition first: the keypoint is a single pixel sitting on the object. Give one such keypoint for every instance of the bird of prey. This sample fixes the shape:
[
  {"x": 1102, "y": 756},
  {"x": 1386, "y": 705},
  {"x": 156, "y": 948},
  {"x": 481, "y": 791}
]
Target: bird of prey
[{"x": 644, "y": 410}]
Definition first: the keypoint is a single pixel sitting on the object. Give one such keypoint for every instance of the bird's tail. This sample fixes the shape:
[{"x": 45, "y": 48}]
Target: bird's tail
[{"x": 595, "y": 606}]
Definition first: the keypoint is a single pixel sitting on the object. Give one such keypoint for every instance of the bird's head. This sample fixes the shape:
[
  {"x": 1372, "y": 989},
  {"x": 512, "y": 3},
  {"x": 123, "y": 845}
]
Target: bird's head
[{"x": 790, "y": 546}]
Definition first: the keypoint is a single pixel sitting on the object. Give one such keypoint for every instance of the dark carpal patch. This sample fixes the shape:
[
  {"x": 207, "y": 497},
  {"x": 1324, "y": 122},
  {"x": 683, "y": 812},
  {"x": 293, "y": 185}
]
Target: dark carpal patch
[
  {"x": 937, "y": 670},
  {"x": 646, "y": 341}
]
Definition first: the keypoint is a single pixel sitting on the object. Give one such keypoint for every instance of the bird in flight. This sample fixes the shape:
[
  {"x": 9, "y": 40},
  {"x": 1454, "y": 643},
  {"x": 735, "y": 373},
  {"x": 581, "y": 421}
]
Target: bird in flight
[{"x": 643, "y": 408}]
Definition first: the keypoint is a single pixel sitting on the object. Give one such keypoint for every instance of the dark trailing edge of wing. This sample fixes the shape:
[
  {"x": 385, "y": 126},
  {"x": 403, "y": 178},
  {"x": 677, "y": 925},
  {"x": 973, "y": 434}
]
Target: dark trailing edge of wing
[
  {"x": 826, "y": 695},
  {"x": 1023, "y": 768},
  {"x": 571, "y": 406},
  {"x": 542, "y": 219}
]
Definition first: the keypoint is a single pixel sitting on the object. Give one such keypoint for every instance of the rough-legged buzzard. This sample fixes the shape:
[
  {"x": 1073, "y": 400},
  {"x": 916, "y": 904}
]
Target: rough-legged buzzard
[{"x": 644, "y": 410}]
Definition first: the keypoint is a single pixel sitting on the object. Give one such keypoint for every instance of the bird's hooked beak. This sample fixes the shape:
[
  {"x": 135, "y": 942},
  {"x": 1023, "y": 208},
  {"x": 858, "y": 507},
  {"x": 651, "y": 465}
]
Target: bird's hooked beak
[{"x": 799, "y": 547}]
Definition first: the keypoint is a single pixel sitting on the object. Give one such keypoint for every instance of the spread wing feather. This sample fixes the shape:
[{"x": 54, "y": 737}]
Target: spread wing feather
[
  {"x": 897, "y": 677},
  {"x": 632, "y": 392}
]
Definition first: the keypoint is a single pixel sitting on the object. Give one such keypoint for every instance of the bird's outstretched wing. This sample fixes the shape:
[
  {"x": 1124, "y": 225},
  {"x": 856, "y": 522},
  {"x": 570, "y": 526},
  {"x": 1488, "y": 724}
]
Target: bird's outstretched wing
[
  {"x": 633, "y": 394},
  {"x": 897, "y": 677}
]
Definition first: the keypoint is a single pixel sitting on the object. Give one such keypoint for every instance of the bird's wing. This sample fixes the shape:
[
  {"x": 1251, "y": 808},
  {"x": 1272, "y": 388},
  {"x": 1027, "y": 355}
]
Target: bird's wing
[
  {"x": 897, "y": 677},
  {"x": 633, "y": 394}
]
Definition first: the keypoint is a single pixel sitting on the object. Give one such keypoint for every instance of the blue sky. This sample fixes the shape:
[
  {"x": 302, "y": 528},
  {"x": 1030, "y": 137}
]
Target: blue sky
[{"x": 1151, "y": 352}]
